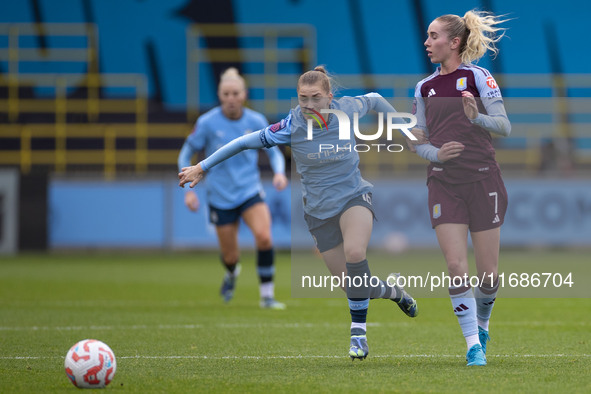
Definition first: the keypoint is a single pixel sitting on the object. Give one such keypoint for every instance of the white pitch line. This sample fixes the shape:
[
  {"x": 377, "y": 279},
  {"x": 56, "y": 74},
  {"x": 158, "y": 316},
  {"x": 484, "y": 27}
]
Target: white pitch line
[
  {"x": 188, "y": 326},
  {"x": 79, "y": 328},
  {"x": 337, "y": 357},
  {"x": 297, "y": 357},
  {"x": 260, "y": 325}
]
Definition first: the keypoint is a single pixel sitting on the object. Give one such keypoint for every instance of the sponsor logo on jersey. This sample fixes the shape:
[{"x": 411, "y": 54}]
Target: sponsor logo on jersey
[
  {"x": 490, "y": 81},
  {"x": 278, "y": 126},
  {"x": 462, "y": 83},
  {"x": 436, "y": 211},
  {"x": 432, "y": 92},
  {"x": 493, "y": 93}
]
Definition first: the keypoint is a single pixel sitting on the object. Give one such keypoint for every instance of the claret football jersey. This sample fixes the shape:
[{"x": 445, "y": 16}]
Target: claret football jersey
[{"x": 438, "y": 107}]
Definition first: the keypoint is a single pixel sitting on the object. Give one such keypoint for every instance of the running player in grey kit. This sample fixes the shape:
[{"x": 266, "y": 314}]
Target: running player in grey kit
[
  {"x": 458, "y": 107},
  {"x": 337, "y": 200}
]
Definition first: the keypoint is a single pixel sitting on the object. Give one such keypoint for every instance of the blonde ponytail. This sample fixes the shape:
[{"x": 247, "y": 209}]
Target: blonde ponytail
[{"x": 477, "y": 32}]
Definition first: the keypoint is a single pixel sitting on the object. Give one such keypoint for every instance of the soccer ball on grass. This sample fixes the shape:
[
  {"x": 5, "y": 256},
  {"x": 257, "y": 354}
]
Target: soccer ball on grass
[{"x": 90, "y": 364}]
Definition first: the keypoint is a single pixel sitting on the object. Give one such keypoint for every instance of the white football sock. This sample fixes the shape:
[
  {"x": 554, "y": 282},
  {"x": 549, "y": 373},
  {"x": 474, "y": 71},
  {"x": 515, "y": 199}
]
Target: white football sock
[
  {"x": 464, "y": 305},
  {"x": 267, "y": 290},
  {"x": 485, "y": 300}
]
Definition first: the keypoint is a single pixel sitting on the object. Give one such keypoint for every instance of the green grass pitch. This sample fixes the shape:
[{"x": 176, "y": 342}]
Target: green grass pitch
[{"x": 162, "y": 316}]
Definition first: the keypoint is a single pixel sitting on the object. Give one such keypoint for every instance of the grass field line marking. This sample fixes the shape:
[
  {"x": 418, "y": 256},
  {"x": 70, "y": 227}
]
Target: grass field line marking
[
  {"x": 257, "y": 325},
  {"x": 78, "y": 328},
  {"x": 296, "y": 357},
  {"x": 183, "y": 326},
  {"x": 340, "y": 356}
]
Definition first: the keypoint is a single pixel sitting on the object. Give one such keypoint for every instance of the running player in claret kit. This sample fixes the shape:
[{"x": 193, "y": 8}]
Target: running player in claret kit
[
  {"x": 234, "y": 188},
  {"x": 337, "y": 200},
  {"x": 458, "y": 107}
]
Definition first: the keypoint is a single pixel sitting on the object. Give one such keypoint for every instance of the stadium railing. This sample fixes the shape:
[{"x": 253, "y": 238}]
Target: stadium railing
[{"x": 538, "y": 106}]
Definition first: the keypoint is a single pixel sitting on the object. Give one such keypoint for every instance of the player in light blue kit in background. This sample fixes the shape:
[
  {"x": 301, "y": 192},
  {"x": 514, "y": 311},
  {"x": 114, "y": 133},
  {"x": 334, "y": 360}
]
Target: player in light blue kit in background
[
  {"x": 234, "y": 188},
  {"x": 337, "y": 200}
]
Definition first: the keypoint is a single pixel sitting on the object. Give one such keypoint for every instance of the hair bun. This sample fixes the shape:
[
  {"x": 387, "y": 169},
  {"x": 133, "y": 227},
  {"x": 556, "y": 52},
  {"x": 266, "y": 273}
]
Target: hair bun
[
  {"x": 321, "y": 69},
  {"x": 231, "y": 72}
]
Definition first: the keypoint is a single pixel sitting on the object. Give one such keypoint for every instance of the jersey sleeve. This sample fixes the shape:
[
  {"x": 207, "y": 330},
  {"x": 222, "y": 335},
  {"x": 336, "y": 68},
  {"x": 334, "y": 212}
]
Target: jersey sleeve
[
  {"x": 418, "y": 110},
  {"x": 195, "y": 142},
  {"x": 248, "y": 141},
  {"x": 496, "y": 121},
  {"x": 367, "y": 102},
  {"x": 363, "y": 104},
  {"x": 185, "y": 155},
  {"x": 426, "y": 151},
  {"x": 490, "y": 94},
  {"x": 198, "y": 137},
  {"x": 377, "y": 103},
  {"x": 278, "y": 133},
  {"x": 274, "y": 154},
  {"x": 276, "y": 160},
  {"x": 487, "y": 87}
]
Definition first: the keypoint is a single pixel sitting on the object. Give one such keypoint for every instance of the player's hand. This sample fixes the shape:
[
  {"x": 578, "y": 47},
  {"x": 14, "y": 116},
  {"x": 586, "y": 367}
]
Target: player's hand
[
  {"x": 191, "y": 201},
  {"x": 193, "y": 174},
  {"x": 449, "y": 150},
  {"x": 470, "y": 107},
  {"x": 279, "y": 181},
  {"x": 420, "y": 136},
  {"x": 411, "y": 146}
]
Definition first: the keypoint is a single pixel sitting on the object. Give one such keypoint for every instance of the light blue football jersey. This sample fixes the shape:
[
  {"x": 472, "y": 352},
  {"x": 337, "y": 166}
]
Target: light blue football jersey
[
  {"x": 237, "y": 179},
  {"x": 330, "y": 177}
]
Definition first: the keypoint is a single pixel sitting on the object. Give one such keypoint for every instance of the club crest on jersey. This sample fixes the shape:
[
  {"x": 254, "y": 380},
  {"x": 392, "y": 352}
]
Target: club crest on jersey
[
  {"x": 490, "y": 81},
  {"x": 436, "y": 211},
  {"x": 462, "y": 83},
  {"x": 278, "y": 126}
]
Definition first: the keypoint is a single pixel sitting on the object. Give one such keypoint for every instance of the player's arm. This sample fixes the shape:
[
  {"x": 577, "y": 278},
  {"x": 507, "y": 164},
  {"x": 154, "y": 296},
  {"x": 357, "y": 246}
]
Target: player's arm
[
  {"x": 194, "y": 142},
  {"x": 448, "y": 151},
  {"x": 426, "y": 151},
  {"x": 496, "y": 120},
  {"x": 276, "y": 134},
  {"x": 185, "y": 155},
  {"x": 278, "y": 165},
  {"x": 277, "y": 161},
  {"x": 184, "y": 160},
  {"x": 195, "y": 173},
  {"x": 377, "y": 103}
]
